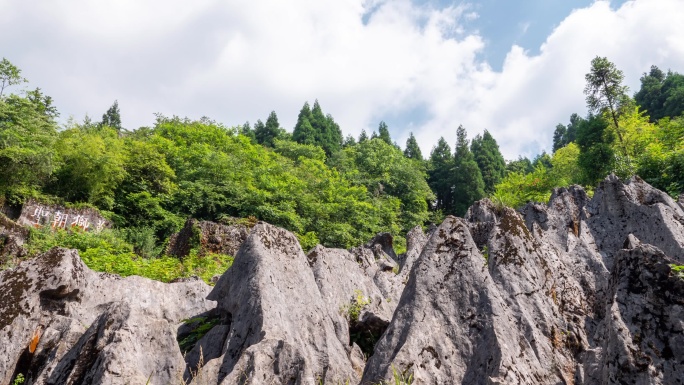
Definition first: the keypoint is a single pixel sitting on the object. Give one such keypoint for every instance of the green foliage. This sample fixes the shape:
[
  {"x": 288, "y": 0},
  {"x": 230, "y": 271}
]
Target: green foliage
[
  {"x": 439, "y": 175},
  {"x": 400, "y": 378},
  {"x": 566, "y": 169},
  {"x": 27, "y": 135},
  {"x": 661, "y": 95},
  {"x": 313, "y": 127},
  {"x": 112, "y": 118},
  {"x": 412, "y": 150},
  {"x": 520, "y": 165},
  {"x": 391, "y": 179},
  {"x": 606, "y": 95},
  {"x": 293, "y": 150},
  {"x": 9, "y": 75},
  {"x": 678, "y": 270},
  {"x": 308, "y": 241},
  {"x": 516, "y": 189},
  {"x": 596, "y": 151},
  {"x": 489, "y": 160},
  {"x": 604, "y": 89},
  {"x": 564, "y": 135},
  {"x": 19, "y": 379},
  {"x": 109, "y": 252},
  {"x": 200, "y": 327},
  {"x": 468, "y": 185},
  {"x": 354, "y": 307},
  {"x": 267, "y": 134},
  {"x": 90, "y": 165},
  {"x": 384, "y": 134}
]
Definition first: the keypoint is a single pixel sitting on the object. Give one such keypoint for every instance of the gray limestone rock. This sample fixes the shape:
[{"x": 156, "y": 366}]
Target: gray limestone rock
[
  {"x": 378, "y": 259},
  {"x": 452, "y": 325},
  {"x": 208, "y": 237},
  {"x": 280, "y": 327},
  {"x": 415, "y": 242},
  {"x": 12, "y": 239},
  {"x": 619, "y": 209},
  {"x": 641, "y": 338},
  {"x": 353, "y": 300},
  {"x": 60, "y": 322},
  {"x": 578, "y": 291}
]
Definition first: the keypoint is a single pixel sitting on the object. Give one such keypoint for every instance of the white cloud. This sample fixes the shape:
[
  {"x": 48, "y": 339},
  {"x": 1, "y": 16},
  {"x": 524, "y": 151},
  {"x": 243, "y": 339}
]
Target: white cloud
[{"x": 238, "y": 60}]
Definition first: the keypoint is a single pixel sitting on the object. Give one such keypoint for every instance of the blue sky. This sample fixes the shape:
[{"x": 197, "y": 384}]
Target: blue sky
[
  {"x": 515, "y": 68},
  {"x": 526, "y": 23}
]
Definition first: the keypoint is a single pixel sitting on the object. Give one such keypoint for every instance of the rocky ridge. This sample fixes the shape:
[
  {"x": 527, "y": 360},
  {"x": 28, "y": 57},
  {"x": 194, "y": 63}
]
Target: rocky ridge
[{"x": 579, "y": 291}]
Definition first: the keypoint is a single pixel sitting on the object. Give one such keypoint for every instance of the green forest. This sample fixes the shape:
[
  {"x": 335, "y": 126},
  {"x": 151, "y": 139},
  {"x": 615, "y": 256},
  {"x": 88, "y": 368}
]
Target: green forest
[{"x": 326, "y": 188}]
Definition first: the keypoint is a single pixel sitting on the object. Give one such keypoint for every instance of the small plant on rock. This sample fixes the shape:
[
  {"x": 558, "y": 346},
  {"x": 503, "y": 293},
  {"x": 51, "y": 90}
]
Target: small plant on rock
[
  {"x": 19, "y": 379},
  {"x": 399, "y": 378},
  {"x": 678, "y": 270},
  {"x": 354, "y": 307}
]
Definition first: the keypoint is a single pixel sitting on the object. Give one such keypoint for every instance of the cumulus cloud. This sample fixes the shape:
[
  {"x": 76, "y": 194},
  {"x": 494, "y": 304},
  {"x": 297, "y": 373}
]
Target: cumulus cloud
[{"x": 364, "y": 60}]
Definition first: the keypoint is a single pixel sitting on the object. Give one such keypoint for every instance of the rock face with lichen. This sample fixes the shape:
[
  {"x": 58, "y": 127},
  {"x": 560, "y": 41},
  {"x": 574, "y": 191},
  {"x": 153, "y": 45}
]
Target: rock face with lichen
[
  {"x": 62, "y": 323},
  {"x": 207, "y": 237},
  {"x": 280, "y": 327},
  {"x": 578, "y": 291}
]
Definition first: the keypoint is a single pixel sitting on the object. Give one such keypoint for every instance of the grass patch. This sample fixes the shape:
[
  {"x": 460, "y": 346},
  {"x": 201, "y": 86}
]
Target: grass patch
[{"x": 109, "y": 252}]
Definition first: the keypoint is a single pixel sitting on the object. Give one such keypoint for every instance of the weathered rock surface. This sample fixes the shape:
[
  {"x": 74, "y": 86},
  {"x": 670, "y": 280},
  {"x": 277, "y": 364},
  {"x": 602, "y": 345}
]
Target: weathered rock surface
[
  {"x": 281, "y": 330},
  {"x": 564, "y": 293},
  {"x": 62, "y": 323},
  {"x": 641, "y": 338},
  {"x": 12, "y": 239},
  {"x": 579, "y": 291},
  {"x": 359, "y": 310},
  {"x": 378, "y": 260},
  {"x": 452, "y": 324},
  {"x": 635, "y": 207},
  {"x": 208, "y": 237}
]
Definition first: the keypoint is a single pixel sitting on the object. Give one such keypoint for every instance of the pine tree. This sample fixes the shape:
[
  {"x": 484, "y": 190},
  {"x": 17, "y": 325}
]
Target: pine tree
[
  {"x": 412, "y": 150},
  {"x": 333, "y": 136},
  {"x": 383, "y": 133},
  {"x": 112, "y": 117},
  {"x": 313, "y": 127},
  {"x": 489, "y": 159},
  {"x": 564, "y": 135},
  {"x": 440, "y": 175},
  {"x": 349, "y": 141},
  {"x": 467, "y": 179},
  {"x": 247, "y": 131},
  {"x": 303, "y": 131},
  {"x": 266, "y": 134},
  {"x": 558, "y": 137},
  {"x": 363, "y": 137}
]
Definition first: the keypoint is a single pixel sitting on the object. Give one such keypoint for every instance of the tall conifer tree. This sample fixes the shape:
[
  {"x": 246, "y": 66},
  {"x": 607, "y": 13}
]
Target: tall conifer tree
[
  {"x": 303, "y": 132},
  {"x": 489, "y": 159},
  {"x": 468, "y": 183},
  {"x": 440, "y": 174},
  {"x": 412, "y": 150},
  {"x": 266, "y": 134},
  {"x": 383, "y": 133}
]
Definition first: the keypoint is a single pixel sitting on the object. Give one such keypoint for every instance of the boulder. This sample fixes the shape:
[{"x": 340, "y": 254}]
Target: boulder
[
  {"x": 635, "y": 207},
  {"x": 208, "y": 237},
  {"x": 378, "y": 259},
  {"x": 12, "y": 240},
  {"x": 451, "y": 325},
  {"x": 641, "y": 338},
  {"x": 359, "y": 310},
  {"x": 63, "y": 323},
  {"x": 281, "y": 330}
]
